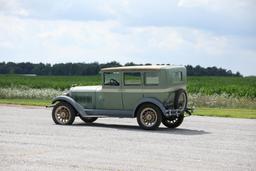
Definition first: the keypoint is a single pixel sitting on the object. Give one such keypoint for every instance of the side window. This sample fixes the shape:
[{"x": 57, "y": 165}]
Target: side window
[
  {"x": 132, "y": 78},
  {"x": 178, "y": 76},
  {"x": 111, "y": 78},
  {"x": 151, "y": 78}
]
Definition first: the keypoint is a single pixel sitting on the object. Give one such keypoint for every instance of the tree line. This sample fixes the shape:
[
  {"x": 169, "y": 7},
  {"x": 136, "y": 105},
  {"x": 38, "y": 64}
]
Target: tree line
[{"x": 94, "y": 68}]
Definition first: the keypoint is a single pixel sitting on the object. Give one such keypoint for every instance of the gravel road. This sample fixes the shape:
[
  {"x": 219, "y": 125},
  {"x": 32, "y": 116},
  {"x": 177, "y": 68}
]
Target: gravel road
[{"x": 30, "y": 141}]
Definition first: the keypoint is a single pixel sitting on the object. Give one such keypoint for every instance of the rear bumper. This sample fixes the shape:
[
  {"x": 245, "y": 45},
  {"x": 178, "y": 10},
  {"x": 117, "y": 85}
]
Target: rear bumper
[{"x": 176, "y": 112}]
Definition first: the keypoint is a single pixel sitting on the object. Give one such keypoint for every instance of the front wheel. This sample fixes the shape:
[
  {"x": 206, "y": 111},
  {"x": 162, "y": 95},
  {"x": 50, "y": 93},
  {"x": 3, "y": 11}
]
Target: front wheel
[
  {"x": 63, "y": 114},
  {"x": 149, "y": 116}
]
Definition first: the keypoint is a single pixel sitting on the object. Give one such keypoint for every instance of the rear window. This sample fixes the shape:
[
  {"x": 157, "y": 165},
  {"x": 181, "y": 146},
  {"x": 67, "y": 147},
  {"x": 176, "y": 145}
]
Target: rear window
[
  {"x": 178, "y": 76},
  {"x": 151, "y": 78},
  {"x": 132, "y": 78}
]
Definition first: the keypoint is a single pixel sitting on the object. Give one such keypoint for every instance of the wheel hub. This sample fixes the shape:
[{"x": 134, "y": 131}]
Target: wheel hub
[
  {"x": 148, "y": 116},
  {"x": 62, "y": 114}
]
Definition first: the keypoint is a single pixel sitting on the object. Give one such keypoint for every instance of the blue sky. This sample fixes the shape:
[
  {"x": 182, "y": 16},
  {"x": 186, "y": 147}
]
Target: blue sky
[{"x": 218, "y": 33}]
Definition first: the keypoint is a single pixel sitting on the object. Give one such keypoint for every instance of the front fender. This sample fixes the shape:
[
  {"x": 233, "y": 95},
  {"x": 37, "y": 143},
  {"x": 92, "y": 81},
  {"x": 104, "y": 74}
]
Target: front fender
[
  {"x": 150, "y": 100},
  {"x": 72, "y": 102}
]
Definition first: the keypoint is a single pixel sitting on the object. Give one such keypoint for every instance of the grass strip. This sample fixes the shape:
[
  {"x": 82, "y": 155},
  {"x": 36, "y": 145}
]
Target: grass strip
[
  {"x": 226, "y": 112},
  {"x": 29, "y": 102}
]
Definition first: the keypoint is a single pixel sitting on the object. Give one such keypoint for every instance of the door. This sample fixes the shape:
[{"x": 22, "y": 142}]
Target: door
[
  {"x": 110, "y": 97},
  {"x": 132, "y": 89}
]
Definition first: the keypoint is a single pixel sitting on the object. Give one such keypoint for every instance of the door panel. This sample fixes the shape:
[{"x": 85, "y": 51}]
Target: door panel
[
  {"x": 109, "y": 99},
  {"x": 132, "y": 89},
  {"x": 131, "y": 97}
]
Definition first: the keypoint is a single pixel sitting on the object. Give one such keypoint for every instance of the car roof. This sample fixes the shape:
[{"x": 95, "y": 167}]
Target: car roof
[{"x": 141, "y": 68}]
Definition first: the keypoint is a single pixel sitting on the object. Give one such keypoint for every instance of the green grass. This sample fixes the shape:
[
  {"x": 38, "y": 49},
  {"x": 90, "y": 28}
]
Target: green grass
[
  {"x": 223, "y": 112},
  {"x": 29, "y": 102},
  {"x": 219, "y": 112},
  {"x": 214, "y": 92},
  {"x": 231, "y": 86},
  {"x": 56, "y": 82}
]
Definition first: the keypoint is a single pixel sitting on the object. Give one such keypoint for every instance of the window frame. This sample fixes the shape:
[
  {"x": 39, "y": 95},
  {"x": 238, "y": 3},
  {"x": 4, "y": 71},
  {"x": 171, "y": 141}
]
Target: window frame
[
  {"x": 104, "y": 78},
  {"x": 158, "y": 74},
  {"x": 141, "y": 81},
  {"x": 178, "y": 77}
]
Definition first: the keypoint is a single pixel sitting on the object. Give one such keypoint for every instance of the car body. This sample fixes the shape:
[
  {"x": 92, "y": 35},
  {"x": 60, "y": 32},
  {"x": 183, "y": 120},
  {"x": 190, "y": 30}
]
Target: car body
[{"x": 159, "y": 92}]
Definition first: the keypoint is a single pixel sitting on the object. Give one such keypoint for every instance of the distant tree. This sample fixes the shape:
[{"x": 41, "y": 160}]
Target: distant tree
[
  {"x": 3, "y": 68},
  {"x": 148, "y": 64},
  {"x": 130, "y": 64},
  {"x": 110, "y": 64},
  {"x": 238, "y": 74},
  {"x": 94, "y": 68}
]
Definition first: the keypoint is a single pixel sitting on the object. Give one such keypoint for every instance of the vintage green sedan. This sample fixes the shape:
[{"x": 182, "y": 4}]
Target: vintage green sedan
[{"x": 152, "y": 94}]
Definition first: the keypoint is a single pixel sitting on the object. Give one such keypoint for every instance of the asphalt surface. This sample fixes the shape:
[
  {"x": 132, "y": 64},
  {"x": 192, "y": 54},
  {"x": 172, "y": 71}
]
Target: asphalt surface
[{"x": 29, "y": 140}]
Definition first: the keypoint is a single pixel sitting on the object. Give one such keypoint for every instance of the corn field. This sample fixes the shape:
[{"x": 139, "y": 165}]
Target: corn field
[{"x": 203, "y": 91}]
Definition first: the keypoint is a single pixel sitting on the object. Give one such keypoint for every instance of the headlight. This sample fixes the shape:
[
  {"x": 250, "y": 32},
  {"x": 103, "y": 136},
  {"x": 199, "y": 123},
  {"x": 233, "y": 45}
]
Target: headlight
[{"x": 67, "y": 93}]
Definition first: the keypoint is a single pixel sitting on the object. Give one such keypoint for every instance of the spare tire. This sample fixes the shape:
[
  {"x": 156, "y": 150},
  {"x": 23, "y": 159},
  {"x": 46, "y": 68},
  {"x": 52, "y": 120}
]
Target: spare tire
[{"x": 180, "y": 102}]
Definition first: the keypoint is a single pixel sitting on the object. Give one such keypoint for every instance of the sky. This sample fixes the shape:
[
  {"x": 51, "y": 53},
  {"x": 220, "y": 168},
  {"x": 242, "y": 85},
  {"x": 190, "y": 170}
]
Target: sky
[{"x": 218, "y": 33}]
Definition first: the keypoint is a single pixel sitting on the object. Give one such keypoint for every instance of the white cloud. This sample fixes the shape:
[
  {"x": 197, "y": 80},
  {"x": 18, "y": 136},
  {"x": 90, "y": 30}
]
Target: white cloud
[
  {"x": 61, "y": 39},
  {"x": 218, "y": 4},
  {"x": 210, "y": 44},
  {"x": 225, "y": 17},
  {"x": 12, "y": 7},
  {"x": 192, "y": 3}
]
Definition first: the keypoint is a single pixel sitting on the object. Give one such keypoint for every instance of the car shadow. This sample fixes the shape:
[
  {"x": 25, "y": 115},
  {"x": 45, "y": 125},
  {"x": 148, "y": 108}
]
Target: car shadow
[{"x": 181, "y": 131}]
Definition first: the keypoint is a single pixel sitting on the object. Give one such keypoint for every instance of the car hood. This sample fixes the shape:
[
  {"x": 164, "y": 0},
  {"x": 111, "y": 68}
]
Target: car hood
[{"x": 86, "y": 88}]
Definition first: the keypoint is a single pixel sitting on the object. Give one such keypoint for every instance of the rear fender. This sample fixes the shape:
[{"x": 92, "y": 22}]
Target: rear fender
[{"x": 152, "y": 101}]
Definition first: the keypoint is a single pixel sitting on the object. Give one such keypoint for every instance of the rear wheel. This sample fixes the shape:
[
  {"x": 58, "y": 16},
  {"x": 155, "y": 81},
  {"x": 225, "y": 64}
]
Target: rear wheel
[
  {"x": 174, "y": 121},
  {"x": 149, "y": 116},
  {"x": 63, "y": 113},
  {"x": 88, "y": 119},
  {"x": 180, "y": 103}
]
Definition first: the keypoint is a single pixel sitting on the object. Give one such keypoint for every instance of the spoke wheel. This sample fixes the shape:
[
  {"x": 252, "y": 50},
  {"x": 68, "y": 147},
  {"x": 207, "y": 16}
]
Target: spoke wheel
[
  {"x": 149, "y": 116},
  {"x": 173, "y": 122},
  {"x": 63, "y": 114}
]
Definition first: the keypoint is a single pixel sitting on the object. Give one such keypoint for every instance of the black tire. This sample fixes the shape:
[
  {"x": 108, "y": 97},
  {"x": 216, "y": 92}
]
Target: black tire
[
  {"x": 175, "y": 121},
  {"x": 154, "y": 116},
  {"x": 88, "y": 119},
  {"x": 178, "y": 95},
  {"x": 63, "y": 114}
]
